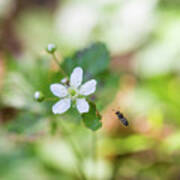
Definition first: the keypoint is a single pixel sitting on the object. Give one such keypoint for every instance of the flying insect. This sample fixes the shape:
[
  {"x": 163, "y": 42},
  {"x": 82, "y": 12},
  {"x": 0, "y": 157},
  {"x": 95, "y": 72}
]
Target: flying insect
[{"x": 121, "y": 117}]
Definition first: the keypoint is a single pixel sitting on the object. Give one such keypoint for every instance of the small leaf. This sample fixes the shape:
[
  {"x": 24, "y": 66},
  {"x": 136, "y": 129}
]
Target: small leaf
[
  {"x": 92, "y": 118},
  {"x": 94, "y": 60}
]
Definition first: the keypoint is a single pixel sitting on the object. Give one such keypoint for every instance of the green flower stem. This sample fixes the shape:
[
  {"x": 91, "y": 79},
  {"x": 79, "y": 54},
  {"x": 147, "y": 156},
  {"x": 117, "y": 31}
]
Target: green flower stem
[
  {"x": 76, "y": 151},
  {"x": 50, "y": 99},
  {"x": 94, "y": 152},
  {"x": 115, "y": 169},
  {"x": 94, "y": 145},
  {"x": 57, "y": 62}
]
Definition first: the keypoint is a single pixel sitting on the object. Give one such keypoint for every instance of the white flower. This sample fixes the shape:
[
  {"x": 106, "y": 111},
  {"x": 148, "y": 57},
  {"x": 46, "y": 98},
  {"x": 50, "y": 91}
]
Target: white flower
[{"x": 75, "y": 92}]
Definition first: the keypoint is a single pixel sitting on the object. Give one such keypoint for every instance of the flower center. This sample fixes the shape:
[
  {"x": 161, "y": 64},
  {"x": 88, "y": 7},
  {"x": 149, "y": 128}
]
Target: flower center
[{"x": 72, "y": 92}]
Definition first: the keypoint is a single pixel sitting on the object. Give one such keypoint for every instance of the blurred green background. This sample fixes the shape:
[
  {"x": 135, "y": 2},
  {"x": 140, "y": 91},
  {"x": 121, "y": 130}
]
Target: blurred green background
[{"x": 142, "y": 80}]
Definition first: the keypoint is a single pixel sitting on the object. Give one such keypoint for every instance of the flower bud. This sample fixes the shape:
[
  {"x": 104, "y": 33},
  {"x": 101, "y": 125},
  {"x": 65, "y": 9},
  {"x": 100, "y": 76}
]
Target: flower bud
[
  {"x": 64, "y": 80},
  {"x": 51, "y": 48},
  {"x": 39, "y": 96}
]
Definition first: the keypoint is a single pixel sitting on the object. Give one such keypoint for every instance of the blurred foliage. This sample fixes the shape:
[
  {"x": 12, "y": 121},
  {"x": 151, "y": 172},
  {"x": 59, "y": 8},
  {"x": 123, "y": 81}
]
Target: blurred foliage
[{"x": 136, "y": 62}]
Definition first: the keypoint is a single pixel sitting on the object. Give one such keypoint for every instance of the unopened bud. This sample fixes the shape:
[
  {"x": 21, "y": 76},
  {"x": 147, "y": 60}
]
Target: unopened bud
[
  {"x": 51, "y": 48},
  {"x": 64, "y": 80},
  {"x": 39, "y": 96}
]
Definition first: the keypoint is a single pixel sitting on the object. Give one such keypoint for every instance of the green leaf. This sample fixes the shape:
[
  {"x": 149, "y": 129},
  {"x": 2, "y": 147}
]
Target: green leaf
[
  {"x": 94, "y": 60},
  {"x": 92, "y": 118}
]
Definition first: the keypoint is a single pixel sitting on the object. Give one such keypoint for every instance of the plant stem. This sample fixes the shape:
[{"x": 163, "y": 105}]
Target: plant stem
[
  {"x": 57, "y": 62},
  {"x": 50, "y": 99},
  {"x": 115, "y": 169},
  {"x": 76, "y": 151},
  {"x": 94, "y": 145},
  {"x": 94, "y": 152}
]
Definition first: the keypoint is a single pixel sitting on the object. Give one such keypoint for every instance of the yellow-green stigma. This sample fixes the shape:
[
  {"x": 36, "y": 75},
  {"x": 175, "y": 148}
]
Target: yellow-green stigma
[{"x": 72, "y": 92}]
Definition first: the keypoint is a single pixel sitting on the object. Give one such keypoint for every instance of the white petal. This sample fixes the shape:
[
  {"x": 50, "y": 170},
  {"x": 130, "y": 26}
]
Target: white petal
[
  {"x": 76, "y": 77},
  {"x": 61, "y": 106},
  {"x": 88, "y": 88},
  {"x": 59, "y": 90},
  {"x": 82, "y": 105}
]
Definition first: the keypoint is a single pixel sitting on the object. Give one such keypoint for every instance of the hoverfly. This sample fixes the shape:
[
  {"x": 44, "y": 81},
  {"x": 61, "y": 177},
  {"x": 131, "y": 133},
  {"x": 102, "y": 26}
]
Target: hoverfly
[{"x": 121, "y": 117}]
